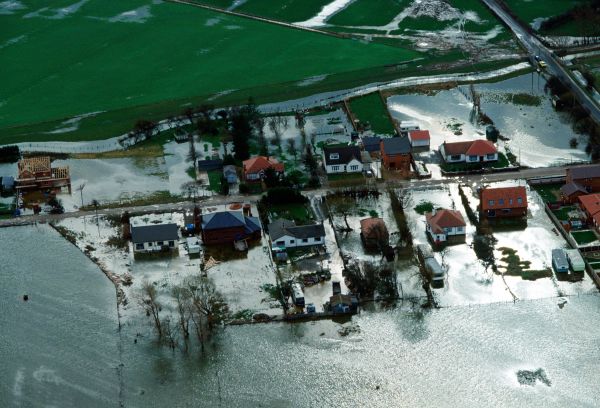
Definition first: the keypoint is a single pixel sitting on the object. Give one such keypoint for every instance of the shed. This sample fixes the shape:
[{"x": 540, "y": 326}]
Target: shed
[
  {"x": 208, "y": 165},
  {"x": 576, "y": 260},
  {"x": 559, "y": 261}
]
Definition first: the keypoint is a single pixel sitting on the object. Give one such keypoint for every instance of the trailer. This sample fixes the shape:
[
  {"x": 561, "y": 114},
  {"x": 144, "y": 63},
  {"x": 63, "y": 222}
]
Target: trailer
[
  {"x": 575, "y": 260},
  {"x": 559, "y": 260}
]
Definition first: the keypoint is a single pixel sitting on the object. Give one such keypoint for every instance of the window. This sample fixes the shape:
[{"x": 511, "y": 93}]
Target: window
[
  {"x": 318, "y": 239},
  {"x": 157, "y": 243},
  {"x": 334, "y": 156},
  {"x": 335, "y": 168},
  {"x": 447, "y": 230},
  {"x": 491, "y": 156},
  {"x": 473, "y": 158},
  {"x": 280, "y": 243},
  {"x": 171, "y": 244},
  {"x": 354, "y": 167},
  {"x": 304, "y": 240},
  {"x": 501, "y": 201},
  {"x": 510, "y": 201},
  {"x": 459, "y": 229},
  {"x": 455, "y": 157},
  {"x": 292, "y": 241},
  {"x": 506, "y": 210},
  {"x": 139, "y": 246},
  {"x": 520, "y": 200},
  {"x": 491, "y": 202}
]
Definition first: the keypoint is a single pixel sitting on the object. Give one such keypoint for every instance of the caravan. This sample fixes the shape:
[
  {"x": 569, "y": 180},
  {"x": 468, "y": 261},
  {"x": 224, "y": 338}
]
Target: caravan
[{"x": 297, "y": 295}]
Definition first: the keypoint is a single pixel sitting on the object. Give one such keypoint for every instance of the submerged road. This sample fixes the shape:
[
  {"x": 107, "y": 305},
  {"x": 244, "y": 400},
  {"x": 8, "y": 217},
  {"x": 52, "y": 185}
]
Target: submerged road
[
  {"x": 221, "y": 200},
  {"x": 536, "y": 47}
]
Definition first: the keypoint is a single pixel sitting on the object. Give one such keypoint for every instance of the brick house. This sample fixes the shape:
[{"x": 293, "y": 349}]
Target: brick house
[
  {"x": 254, "y": 168},
  {"x": 580, "y": 181},
  {"x": 503, "y": 202},
  {"x": 396, "y": 154},
  {"x": 476, "y": 151},
  {"x": 226, "y": 227}
]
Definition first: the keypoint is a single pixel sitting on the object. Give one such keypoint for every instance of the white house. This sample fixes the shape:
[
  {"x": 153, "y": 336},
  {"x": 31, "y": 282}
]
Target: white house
[
  {"x": 154, "y": 238},
  {"x": 419, "y": 138},
  {"x": 476, "y": 151},
  {"x": 286, "y": 234},
  {"x": 345, "y": 159},
  {"x": 444, "y": 224}
]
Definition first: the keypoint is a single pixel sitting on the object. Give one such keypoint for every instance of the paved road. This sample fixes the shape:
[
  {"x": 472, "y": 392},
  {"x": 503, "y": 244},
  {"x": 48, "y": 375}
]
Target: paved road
[
  {"x": 220, "y": 200},
  {"x": 536, "y": 47}
]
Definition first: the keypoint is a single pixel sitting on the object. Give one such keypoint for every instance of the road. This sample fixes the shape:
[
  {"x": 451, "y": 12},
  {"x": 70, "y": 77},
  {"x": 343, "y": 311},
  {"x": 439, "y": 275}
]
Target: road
[
  {"x": 221, "y": 200},
  {"x": 536, "y": 47}
]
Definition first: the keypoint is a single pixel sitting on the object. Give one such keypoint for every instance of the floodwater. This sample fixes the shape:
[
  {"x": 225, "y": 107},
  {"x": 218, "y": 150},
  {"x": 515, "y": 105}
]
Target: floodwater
[
  {"x": 539, "y": 136},
  {"x": 62, "y": 349}
]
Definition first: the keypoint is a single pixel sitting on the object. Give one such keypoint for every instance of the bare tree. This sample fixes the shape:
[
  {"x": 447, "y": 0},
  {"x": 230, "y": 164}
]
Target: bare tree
[
  {"x": 208, "y": 308},
  {"x": 341, "y": 205},
  {"x": 291, "y": 148},
  {"x": 148, "y": 301},
  {"x": 183, "y": 300}
]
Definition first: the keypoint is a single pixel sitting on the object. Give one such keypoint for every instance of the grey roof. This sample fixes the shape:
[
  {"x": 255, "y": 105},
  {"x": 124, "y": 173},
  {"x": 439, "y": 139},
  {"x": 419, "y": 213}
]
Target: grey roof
[
  {"x": 206, "y": 165},
  {"x": 346, "y": 154},
  {"x": 230, "y": 219},
  {"x": 571, "y": 188},
  {"x": 396, "y": 145},
  {"x": 151, "y": 233},
  {"x": 584, "y": 172},
  {"x": 282, "y": 227},
  {"x": 229, "y": 170},
  {"x": 371, "y": 143}
]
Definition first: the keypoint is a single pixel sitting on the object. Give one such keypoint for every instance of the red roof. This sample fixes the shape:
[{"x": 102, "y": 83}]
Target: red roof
[
  {"x": 419, "y": 135},
  {"x": 444, "y": 219},
  {"x": 503, "y": 197},
  {"x": 477, "y": 147},
  {"x": 590, "y": 203},
  {"x": 261, "y": 163}
]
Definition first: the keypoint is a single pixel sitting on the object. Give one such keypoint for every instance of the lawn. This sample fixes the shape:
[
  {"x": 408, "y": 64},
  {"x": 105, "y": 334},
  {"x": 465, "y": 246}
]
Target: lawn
[
  {"x": 300, "y": 213},
  {"x": 584, "y": 237},
  {"x": 548, "y": 192},
  {"x": 214, "y": 179},
  {"x": 563, "y": 212},
  {"x": 370, "y": 108},
  {"x": 119, "y": 61}
]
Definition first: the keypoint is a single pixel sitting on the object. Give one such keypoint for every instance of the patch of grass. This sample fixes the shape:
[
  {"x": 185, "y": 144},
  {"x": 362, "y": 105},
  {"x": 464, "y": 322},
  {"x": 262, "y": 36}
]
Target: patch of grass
[
  {"x": 157, "y": 197},
  {"x": 214, "y": 179},
  {"x": 370, "y": 108},
  {"x": 516, "y": 267},
  {"x": 424, "y": 207},
  {"x": 584, "y": 237},
  {"x": 563, "y": 212},
  {"x": 300, "y": 213},
  {"x": 191, "y": 171},
  {"x": 549, "y": 192}
]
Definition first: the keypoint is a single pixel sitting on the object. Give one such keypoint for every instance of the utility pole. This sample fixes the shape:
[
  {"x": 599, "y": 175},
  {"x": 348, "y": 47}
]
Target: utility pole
[{"x": 80, "y": 189}]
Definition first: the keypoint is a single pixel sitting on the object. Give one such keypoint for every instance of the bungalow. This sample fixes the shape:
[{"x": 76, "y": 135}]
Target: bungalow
[
  {"x": 154, "y": 238},
  {"x": 396, "y": 154},
  {"x": 286, "y": 234},
  {"x": 226, "y": 227},
  {"x": 503, "y": 202},
  {"x": 230, "y": 174},
  {"x": 345, "y": 159},
  {"x": 476, "y": 151},
  {"x": 585, "y": 177},
  {"x": 254, "y": 168},
  {"x": 445, "y": 225},
  {"x": 419, "y": 138},
  {"x": 374, "y": 233}
]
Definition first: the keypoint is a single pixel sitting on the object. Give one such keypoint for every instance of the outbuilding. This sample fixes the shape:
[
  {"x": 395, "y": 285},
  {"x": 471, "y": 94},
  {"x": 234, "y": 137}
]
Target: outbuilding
[{"x": 559, "y": 261}]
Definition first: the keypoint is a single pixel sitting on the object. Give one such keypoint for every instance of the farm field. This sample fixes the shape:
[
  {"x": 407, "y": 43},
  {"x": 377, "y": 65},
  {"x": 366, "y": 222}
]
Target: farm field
[{"x": 129, "y": 60}]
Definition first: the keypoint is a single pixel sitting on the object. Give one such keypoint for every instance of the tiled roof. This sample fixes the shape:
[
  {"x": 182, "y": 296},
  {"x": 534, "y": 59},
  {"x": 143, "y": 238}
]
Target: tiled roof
[
  {"x": 419, "y": 135},
  {"x": 282, "y": 227},
  {"x": 584, "y": 172},
  {"x": 478, "y": 147},
  {"x": 571, "y": 188},
  {"x": 229, "y": 219},
  {"x": 503, "y": 197},
  {"x": 368, "y": 224},
  {"x": 345, "y": 154},
  {"x": 444, "y": 219},
  {"x": 590, "y": 203},
  {"x": 260, "y": 163},
  {"x": 396, "y": 145}
]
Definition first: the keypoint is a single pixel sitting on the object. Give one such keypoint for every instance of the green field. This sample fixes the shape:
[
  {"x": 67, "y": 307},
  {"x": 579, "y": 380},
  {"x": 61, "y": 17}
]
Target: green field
[
  {"x": 370, "y": 108},
  {"x": 89, "y": 61}
]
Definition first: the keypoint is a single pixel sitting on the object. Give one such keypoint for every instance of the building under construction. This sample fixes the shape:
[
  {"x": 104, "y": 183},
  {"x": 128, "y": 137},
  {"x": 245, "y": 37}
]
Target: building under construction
[{"x": 37, "y": 173}]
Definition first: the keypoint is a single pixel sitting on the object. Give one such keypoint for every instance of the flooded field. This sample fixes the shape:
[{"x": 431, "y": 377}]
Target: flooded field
[
  {"x": 481, "y": 351},
  {"x": 537, "y": 135}
]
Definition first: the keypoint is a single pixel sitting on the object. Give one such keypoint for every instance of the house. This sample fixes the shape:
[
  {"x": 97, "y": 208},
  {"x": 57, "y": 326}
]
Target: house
[
  {"x": 590, "y": 204},
  {"x": 503, "y": 202},
  {"x": 370, "y": 143},
  {"x": 374, "y": 233},
  {"x": 7, "y": 185},
  {"x": 396, "y": 154},
  {"x": 254, "y": 168},
  {"x": 419, "y": 139},
  {"x": 476, "y": 151},
  {"x": 585, "y": 177},
  {"x": 286, "y": 234},
  {"x": 445, "y": 225},
  {"x": 571, "y": 191},
  {"x": 230, "y": 174},
  {"x": 154, "y": 238},
  {"x": 37, "y": 173},
  {"x": 344, "y": 159},
  {"x": 408, "y": 126},
  {"x": 209, "y": 165},
  {"x": 227, "y": 227}
]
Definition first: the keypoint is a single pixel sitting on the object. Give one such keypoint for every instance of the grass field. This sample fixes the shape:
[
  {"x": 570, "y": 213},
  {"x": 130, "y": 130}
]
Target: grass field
[
  {"x": 370, "y": 108},
  {"x": 584, "y": 237},
  {"x": 126, "y": 57}
]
